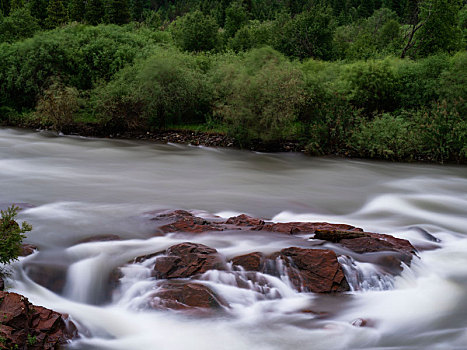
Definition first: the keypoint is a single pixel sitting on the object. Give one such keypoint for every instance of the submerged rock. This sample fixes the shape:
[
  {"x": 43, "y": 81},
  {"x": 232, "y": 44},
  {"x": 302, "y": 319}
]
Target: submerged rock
[{"x": 26, "y": 326}]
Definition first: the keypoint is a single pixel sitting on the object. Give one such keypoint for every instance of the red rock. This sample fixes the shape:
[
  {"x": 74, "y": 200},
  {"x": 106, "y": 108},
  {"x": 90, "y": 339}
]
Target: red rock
[
  {"x": 366, "y": 242},
  {"x": 27, "y": 326},
  {"x": 183, "y": 296},
  {"x": 306, "y": 227},
  {"x": 187, "y": 222},
  {"x": 314, "y": 270},
  {"x": 101, "y": 238},
  {"x": 244, "y": 220},
  {"x": 187, "y": 259},
  {"x": 250, "y": 262},
  {"x": 27, "y": 249}
]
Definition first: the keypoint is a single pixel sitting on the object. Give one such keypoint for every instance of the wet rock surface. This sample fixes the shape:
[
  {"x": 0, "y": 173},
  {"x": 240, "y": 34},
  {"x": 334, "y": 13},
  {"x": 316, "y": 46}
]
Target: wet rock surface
[
  {"x": 187, "y": 259},
  {"x": 26, "y": 326},
  {"x": 314, "y": 267},
  {"x": 314, "y": 270},
  {"x": 185, "y": 296}
]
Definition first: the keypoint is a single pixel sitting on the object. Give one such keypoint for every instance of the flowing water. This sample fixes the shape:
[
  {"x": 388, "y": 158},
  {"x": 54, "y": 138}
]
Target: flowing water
[{"x": 76, "y": 188}]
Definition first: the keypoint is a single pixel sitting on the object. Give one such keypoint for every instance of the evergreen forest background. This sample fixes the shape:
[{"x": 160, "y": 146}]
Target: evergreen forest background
[{"x": 369, "y": 78}]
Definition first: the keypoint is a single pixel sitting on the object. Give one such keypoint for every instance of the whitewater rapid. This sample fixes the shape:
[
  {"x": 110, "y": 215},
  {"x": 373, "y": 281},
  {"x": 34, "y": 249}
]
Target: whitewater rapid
[{"x": 76, "y": 188}]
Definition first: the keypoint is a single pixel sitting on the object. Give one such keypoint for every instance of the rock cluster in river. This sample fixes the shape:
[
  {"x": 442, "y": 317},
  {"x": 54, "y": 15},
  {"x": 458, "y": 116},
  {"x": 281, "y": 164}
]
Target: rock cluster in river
[
  {"x": 309, "y": 269},
  {"x": 27, "y": 326}
]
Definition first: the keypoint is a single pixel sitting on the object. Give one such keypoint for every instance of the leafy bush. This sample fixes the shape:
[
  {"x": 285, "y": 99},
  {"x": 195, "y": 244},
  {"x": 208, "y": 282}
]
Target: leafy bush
[
  {"x": 443, "y": 132},
  {"x": 253, "y": 35},
  {"x": 80, "y": 55},
  {"x": 309, "y": 34},
  {"x": 259, "y": 97},
  {"x": 11, "y": 235},
  {"x": 386, "y": 137},
  {"x": 57, "y": 105},
  {"x": 373, "y": 86},
  {"x": 167, "y": 88},
  {"x": 196, "y": 32},
  {"x": 19, "y": 25}
]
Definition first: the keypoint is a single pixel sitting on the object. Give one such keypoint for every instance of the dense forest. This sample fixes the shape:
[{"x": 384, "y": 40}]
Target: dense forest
[{"x": 368, "y": 78}]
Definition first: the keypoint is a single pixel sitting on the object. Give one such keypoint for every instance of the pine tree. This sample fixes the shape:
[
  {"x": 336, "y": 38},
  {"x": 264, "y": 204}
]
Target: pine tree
[
  {"x": 56, "y": 14},
  {"x": 137, "y": 9},
  {"x": 39, "y": 10},
  {"x": 16, "y": 4},
  {"x": 118, "y": 11},
  {"x": 77, "y": 10},
  {"x": 94, "y": 12},
  {"x": 4, "y": 7}
]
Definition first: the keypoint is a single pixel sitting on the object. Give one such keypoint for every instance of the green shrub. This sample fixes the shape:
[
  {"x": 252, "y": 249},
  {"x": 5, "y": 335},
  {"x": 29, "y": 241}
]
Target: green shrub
[
  {"x": 373, "y": 86},
  {"x": 80, "y": 55},
  {"x": 196, "y": 32},
  {"x": 443, "y": 132},
  {"x": 19, "y": 25},
  {"x": 11, "y": 235},
  {"x": 167, "y": 88},
  {"x": 259, "y": 97},
  {"x": 386, "y": 137},
  {"x": 57, "y": 105}
]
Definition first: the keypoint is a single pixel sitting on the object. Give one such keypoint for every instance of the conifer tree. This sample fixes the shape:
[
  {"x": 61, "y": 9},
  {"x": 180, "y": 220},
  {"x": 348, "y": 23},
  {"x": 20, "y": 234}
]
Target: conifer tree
[
  {"x": 56, "y": 14},
  {"x": 137, "y": 8},
  {"x": 4, "y": 7},
  {"x": 118, "y": 11},
  {"x": 94, "y": 12},
  {"x": 77, "y": 10},
  {"x": 16, "y": 4},
  {"x": 39, "y": 10}
]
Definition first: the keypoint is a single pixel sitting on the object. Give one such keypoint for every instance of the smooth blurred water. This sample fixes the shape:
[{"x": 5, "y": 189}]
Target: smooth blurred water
[{"x": 78, "y": 188}]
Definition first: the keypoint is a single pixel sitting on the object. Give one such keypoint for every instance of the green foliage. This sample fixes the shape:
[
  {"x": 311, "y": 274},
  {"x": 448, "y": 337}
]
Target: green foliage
[
  {"x": 57, "y": 105},
  {"x": 80, "y": 55},
  {"x": 166, "y": 88},
  {"x": 373, "y": 86},
  {"x": 443, "y": 132},
  {"x": 235, "y": 17},
  {"x": 253, "y": 35},
  {"x": 118, "y": 11},
  {"x": 77, "y": 10},
  {"x": 196, "y": 32},
  {"x": 440, "y": 31},
  {"x": 19, "y": 25},
  {"x": 56, "y": 14},
  {"x": 38, "y": 9},
  {"x": 258, "y": 97},
  {"x": 32, "y": 339},
  {"x": 309, "y": 34},
  {"x": 386, "y": 137},
  {"x": 11, "y": 235},
  {"x": 95, "y": 12},
  {"x": 377, "y": 35}
]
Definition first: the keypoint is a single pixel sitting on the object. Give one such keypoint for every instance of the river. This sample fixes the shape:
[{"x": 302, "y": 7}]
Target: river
[{"x": 75, "y": 188}]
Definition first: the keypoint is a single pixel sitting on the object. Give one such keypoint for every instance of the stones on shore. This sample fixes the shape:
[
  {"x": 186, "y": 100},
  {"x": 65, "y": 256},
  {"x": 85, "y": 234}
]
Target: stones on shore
[{"x": 38, "y": 327}]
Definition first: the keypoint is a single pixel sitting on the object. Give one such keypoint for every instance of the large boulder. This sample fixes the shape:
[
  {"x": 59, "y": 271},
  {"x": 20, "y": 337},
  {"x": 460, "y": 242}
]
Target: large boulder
[
  {"x": 186, "y": 260},
  {"x": 26, "y": 326},
  {"x": 309, "y": 270},
  {"x": 314, "y": 270}
]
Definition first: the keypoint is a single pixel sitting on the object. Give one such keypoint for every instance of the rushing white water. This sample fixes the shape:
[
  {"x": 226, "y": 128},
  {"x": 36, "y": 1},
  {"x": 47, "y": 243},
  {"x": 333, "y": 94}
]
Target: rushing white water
[{"x": 79, "y": 188}]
